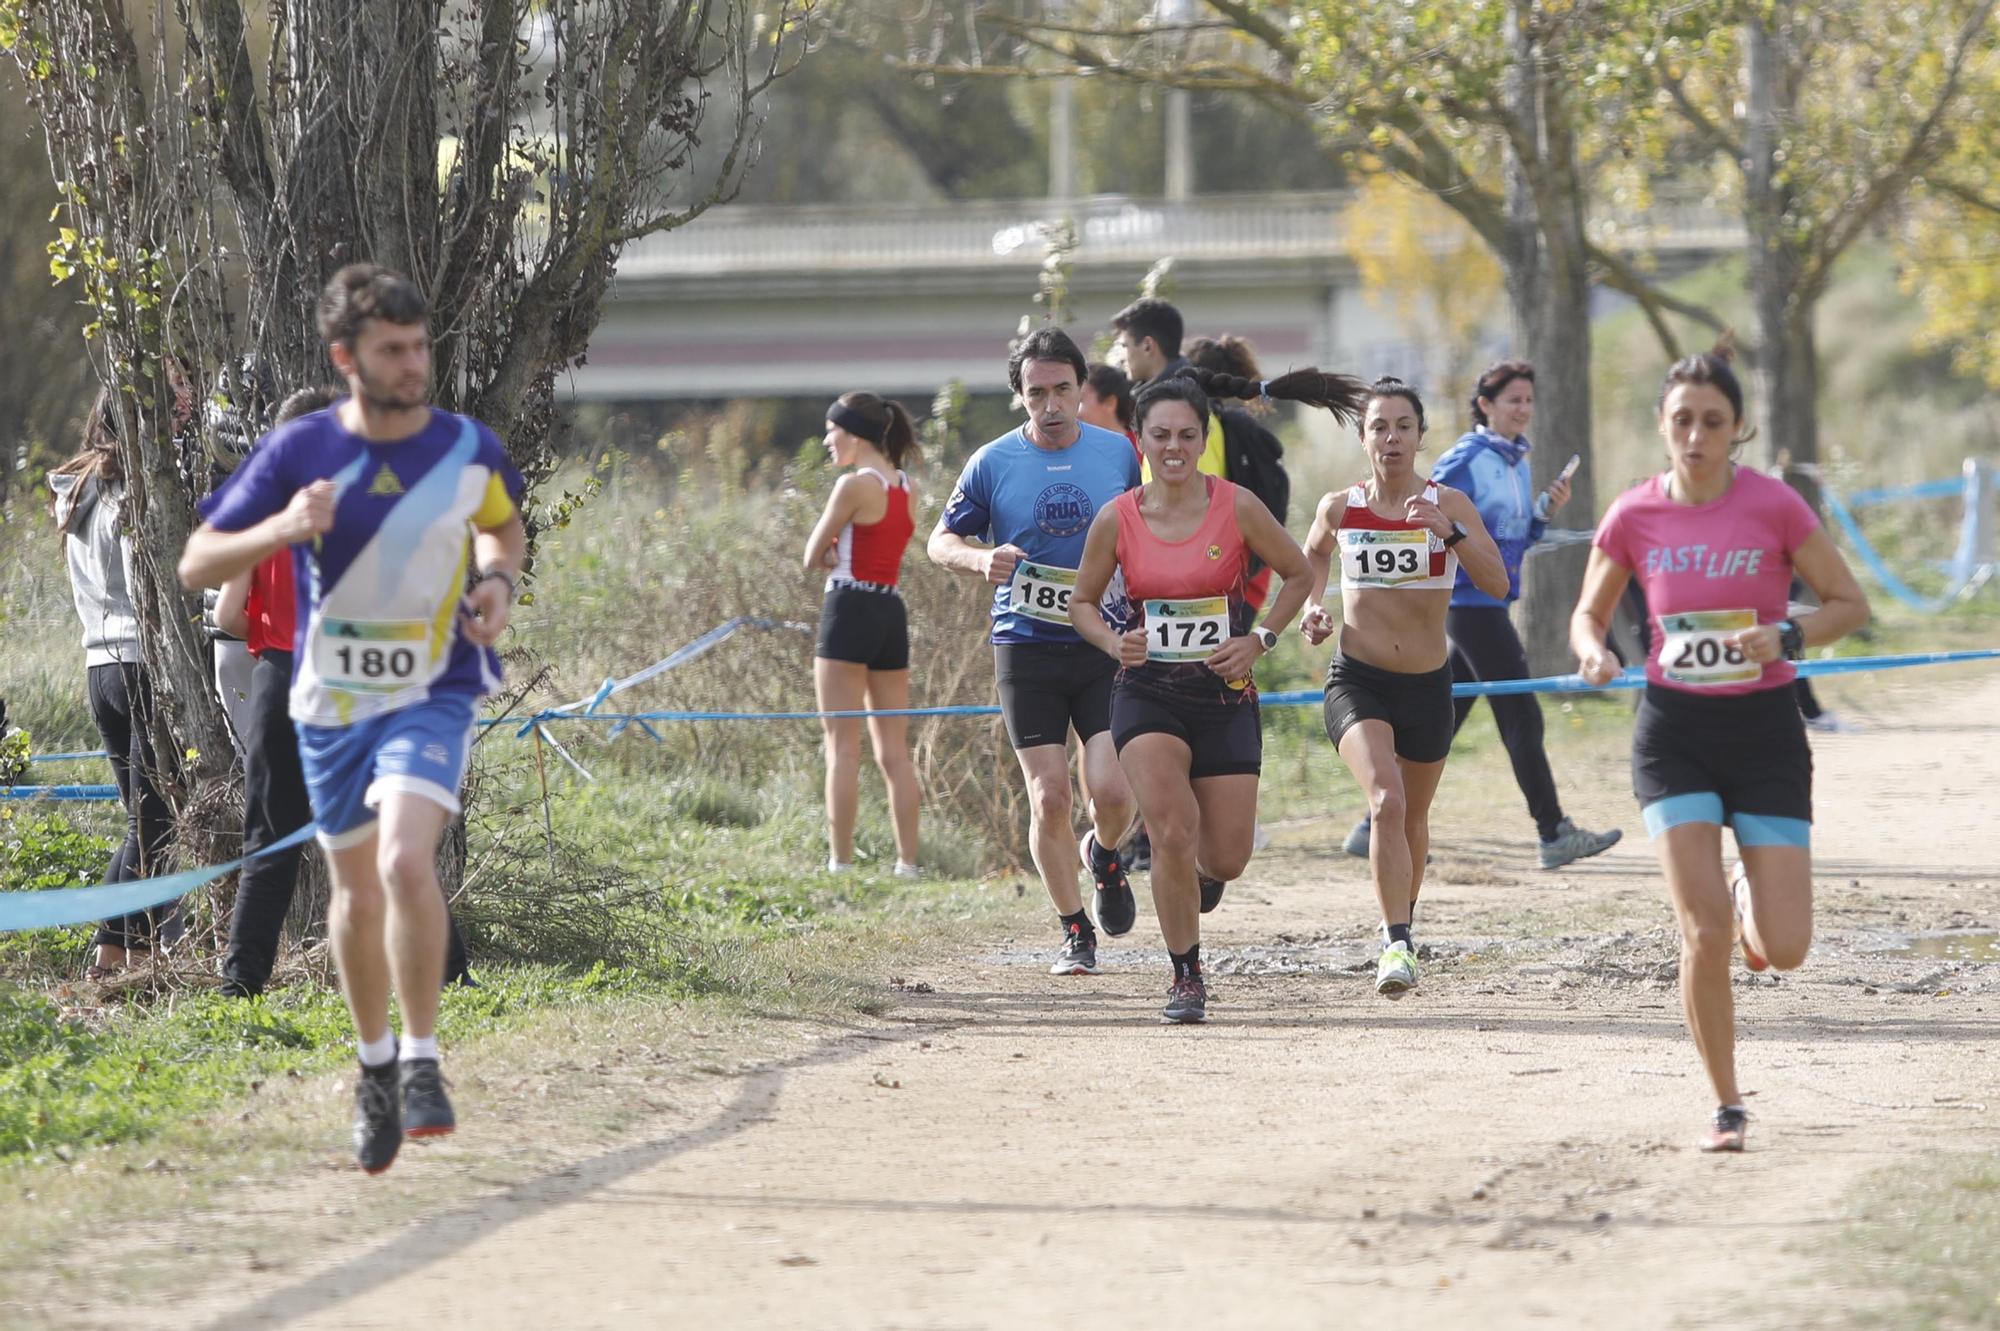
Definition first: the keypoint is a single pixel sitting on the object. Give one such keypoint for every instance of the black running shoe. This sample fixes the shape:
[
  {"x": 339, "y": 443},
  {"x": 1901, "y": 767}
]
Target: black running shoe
[
  {"x": 1079, "y": 952},
  {"x": 1114, "y": 905},
  {"x": 1187, "y": 1001},
  {"x": 1211, "y": 893},
  {"x": 426, "y": 1109},
  {"x": 378, "y": 1118}
]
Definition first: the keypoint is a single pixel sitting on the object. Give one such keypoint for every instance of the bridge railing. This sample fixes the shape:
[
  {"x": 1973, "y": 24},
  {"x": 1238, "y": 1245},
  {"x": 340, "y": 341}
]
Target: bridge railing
[{"x": 1110, "y": 229}]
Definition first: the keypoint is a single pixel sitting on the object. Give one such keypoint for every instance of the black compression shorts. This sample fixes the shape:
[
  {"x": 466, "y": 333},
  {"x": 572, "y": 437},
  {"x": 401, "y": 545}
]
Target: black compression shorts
[
  {"x": 1046, "y": 688},
  {"x": 1417, "y": 707},
  {"x": 1748, "y": 749},
  {"x": 864, "y": 626},
  {"x": 1223, "y": 739}
]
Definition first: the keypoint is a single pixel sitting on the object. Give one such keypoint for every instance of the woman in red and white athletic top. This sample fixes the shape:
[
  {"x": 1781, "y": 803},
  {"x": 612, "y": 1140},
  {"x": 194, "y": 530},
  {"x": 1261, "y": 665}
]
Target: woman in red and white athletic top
[
  {"x": 1183, "y": 706},
  {"x": 863, "y": 655},
  {"x": 1399, "y": 539}
]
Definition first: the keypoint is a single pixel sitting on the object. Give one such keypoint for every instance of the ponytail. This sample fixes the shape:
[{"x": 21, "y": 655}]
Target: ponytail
[
  {"x": 1342, "y": 394},
  {"x": 899, "y": 442}
]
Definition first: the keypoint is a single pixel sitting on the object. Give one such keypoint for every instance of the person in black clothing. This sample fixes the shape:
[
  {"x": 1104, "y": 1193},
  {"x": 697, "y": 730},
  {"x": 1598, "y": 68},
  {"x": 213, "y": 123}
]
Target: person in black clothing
[{"x": 89, "y": 510}]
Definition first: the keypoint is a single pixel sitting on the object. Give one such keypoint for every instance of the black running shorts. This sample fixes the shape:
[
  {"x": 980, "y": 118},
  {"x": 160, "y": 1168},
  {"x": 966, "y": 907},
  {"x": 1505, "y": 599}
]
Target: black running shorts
[
  {"x": 864, "y": 626},
  {"x": 1749, "y": 749},
  {"x": 1223, "y": 738},
  {"x": 1048, "y": 688},
  {"x": 1417, "y": 707}
]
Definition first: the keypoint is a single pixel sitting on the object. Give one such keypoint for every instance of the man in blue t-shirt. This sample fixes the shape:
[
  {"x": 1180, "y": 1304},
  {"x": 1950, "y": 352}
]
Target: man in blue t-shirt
[
  {"x": 1018, "y": 519},
  {"x": 385, "y": 503}
]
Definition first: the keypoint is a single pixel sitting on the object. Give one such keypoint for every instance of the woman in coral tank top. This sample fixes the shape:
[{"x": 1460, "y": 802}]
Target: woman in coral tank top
[
  {"x": 1718, "y": 739},
  {"x": 863, "y": 655},
  {"x": 1183, "y": 705},
  {"x": 1399, "y": 539}
]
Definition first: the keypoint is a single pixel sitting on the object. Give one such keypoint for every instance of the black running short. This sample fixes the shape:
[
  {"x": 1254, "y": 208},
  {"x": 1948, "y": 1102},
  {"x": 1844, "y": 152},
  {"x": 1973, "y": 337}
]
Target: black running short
[
  {"x": 1048, "y": 688},
  {"x": 1740, "y": 759},
  {"x": 1224, "y": 738},
  {"x": 866, "y": 626},
  {"x": 1417, "y": 707}
]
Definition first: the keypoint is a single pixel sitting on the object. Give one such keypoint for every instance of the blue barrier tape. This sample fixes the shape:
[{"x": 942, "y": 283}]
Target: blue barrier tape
[
  {"x": 82, "y": 905},
  {"x": 1895, "y": 586},
  {"x": 77, "y": 794},
  {"x": 1632, "y": 678},
  {"x": 1950, "y": 489},
  {"x": 66, "y": 757}
]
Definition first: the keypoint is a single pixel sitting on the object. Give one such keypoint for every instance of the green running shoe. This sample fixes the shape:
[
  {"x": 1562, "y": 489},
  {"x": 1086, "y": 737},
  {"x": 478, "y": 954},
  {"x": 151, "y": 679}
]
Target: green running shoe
[{"x": 1396, "y": 973}]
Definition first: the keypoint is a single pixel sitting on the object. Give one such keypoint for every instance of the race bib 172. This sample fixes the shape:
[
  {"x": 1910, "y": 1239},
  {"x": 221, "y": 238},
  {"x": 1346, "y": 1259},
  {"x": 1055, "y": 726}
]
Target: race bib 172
[{"x": 1186, "y": 630}]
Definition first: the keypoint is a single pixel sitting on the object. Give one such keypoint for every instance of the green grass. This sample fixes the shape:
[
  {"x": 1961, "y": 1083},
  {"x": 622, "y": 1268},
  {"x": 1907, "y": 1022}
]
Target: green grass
[
  {"x": 73, "y": 1079},
  {"x": 1931, "y": 1235}
]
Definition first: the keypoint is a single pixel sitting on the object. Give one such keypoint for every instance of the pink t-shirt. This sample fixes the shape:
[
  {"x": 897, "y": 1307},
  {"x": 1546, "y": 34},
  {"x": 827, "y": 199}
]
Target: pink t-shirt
[{"x": 1708, "y": 570}]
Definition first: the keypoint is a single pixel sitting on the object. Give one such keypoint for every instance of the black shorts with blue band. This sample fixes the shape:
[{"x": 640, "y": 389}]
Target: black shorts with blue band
[{"x": 1735, "y": 760}]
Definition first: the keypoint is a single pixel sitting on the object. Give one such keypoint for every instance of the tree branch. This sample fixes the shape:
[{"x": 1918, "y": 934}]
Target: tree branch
[{"x": 1925, "y": 142}]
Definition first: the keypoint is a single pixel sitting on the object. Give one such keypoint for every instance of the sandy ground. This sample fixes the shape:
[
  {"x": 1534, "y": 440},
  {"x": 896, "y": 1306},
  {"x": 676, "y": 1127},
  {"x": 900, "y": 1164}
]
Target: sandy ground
[{"x": 1511, "y": 1146}]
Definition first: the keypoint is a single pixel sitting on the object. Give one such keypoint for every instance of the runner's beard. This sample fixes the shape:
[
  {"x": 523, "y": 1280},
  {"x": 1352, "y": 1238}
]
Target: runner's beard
[{"x": 377, "y": 397}]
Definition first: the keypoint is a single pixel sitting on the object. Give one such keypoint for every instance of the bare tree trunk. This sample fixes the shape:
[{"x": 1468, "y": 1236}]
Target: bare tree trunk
[
  {"x": 1786, "y": 405},
  {"x": 1546, "y": 262}
]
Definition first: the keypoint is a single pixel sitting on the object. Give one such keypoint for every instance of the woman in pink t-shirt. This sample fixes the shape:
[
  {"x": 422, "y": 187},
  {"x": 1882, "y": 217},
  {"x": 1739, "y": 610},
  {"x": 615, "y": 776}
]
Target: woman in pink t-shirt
[{"x": 1718, "y": 739}]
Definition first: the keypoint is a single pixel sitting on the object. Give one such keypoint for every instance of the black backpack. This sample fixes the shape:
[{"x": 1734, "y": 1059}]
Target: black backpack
[{"x": 1255, "y": 461}]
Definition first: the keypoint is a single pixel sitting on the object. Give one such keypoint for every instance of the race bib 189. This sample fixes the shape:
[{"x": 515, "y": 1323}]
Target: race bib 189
[
  {"x": 1041, "y": 591},
  {"x": 1695, "y": 648},
  {"x": 372, "y": 655},
  {"x": 1186, "y": 630},
  {"x": 1370, "y": 558}
]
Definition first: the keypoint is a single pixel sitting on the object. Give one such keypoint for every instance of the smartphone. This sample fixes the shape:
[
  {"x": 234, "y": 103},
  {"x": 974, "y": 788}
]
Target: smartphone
[{"x": 1569, "y": 468}]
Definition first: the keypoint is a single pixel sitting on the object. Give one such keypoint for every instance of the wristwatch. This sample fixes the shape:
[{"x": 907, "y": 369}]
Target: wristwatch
[
  {"x": 1791, "y": 639},
  {"x": 1458, "y": 533},
  {"x": 1268, "y": 638}
]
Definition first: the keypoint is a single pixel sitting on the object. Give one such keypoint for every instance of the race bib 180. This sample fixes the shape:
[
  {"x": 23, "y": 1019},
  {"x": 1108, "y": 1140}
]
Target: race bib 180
[
  {"x": 371, "y": 655},
  {"x": 1041, "y": 591},
  {"x": 1186, "y": 630},
  {"x": 1370, "y": 558},
  {"x": 1695, "y": 649}
]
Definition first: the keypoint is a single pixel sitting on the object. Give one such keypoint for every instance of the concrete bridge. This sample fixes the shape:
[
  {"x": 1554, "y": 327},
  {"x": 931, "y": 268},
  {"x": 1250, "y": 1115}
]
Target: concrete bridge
[{"x": 778, "y": 302}]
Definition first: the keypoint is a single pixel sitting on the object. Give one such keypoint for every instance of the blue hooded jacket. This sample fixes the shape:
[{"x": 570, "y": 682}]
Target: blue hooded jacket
[{"x": 1493, "y": 472}]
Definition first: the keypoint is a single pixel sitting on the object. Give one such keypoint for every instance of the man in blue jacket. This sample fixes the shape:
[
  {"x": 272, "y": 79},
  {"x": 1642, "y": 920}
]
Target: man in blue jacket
[{"x": 1490, "y": 463}]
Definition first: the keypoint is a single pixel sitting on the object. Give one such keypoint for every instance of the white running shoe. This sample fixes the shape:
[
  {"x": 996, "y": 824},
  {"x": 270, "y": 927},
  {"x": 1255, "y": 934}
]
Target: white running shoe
[
  {"x": 1739, "y": 895},
  {"x": 906, "y": 870}
]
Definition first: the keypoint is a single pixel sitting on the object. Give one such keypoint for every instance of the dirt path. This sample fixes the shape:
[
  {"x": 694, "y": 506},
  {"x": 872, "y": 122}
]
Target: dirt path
[{"x": 1511, "y": 1147}]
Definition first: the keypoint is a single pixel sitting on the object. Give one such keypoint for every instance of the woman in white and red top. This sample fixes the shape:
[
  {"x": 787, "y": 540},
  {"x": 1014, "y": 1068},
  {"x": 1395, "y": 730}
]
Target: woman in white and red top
[
  {"x": 863, "y": 655},
  {"x": 1718, "y": 740},
  {"x": 1183, "y": 704},
  {"x": 1400, "y": 540}
]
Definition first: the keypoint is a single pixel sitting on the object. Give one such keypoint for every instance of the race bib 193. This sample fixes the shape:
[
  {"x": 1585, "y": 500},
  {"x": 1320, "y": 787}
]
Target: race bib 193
[
  {"x": 1370, "y": 558},
  {"x": 1186, "y": 630},
  {"x": 371, "y": 655},
  {"x": 1041, "y": 591},
  {"x": 1695, "y": 649}
]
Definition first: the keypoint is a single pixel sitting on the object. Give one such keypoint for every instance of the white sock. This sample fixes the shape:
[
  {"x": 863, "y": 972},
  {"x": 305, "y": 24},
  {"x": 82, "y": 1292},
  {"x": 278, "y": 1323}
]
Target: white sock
[
  {"x": 378, "y": 1051},
  {"x": 419, "y": 1046}
]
